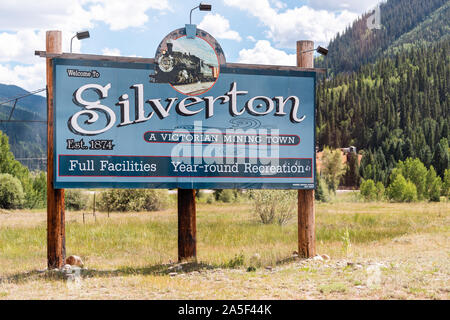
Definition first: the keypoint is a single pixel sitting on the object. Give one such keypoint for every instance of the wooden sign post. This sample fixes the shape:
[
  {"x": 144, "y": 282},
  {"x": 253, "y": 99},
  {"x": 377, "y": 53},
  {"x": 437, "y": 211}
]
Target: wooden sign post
[
  {"x": 187, "y": 229},
  {"x": 306, "y": 211},
  {"x": 56, "y": 246}
]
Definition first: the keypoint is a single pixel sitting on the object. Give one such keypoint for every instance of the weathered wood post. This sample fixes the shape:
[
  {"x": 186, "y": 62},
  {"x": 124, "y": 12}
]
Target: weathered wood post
[
  {"x": 187, "y": 228},
  {"x": 56, "y": 246},
  {"x": 306, "y": 211}
]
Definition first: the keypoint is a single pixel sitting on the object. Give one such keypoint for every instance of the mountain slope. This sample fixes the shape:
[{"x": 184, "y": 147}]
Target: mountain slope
[
  {"x": 434, "y": 29},
  {"x": 358, "y": 45},
  {"x": 27, "y": 139}
]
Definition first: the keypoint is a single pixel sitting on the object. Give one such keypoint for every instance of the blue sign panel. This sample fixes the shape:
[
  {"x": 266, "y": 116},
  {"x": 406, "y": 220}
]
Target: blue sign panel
[{"x": 237, "y": 126}]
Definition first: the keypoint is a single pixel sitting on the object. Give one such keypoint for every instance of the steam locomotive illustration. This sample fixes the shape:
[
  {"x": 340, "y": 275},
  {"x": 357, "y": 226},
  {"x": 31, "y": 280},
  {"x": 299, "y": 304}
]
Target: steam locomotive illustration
[{"x": 179, "y": 68}]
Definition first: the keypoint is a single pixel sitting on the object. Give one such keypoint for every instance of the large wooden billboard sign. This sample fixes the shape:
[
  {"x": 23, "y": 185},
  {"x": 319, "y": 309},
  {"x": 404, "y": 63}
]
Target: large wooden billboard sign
[{"x": 185, "y": 119}]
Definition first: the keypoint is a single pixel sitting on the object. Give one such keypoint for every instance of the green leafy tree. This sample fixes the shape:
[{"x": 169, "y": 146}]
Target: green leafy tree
[
  {"x": 332, "y": 167},
  {"x": 441, "y": 156},
  {"x": 368, "y": 190},
  {"x": 415, "y": 171},
  {"x": 410, "y": 192},
  {"x": 40, "y": 189},
  {"x": 434, "y": 184},
  {"x": 446, "y": 183},
  {"x": 9, "y": 165},
  {"x": 396, "y": 188},
  {"x": 11, "y": 192},
  {"x": 380, "y": 190}
]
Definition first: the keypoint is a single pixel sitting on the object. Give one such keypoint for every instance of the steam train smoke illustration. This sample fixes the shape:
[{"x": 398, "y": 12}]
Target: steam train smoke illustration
[{"x": 179, "y": 68}]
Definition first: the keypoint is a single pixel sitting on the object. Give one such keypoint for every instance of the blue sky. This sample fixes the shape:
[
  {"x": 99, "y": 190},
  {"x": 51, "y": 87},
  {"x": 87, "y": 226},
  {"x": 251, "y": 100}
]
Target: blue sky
[{"x": 249, "y": 31}]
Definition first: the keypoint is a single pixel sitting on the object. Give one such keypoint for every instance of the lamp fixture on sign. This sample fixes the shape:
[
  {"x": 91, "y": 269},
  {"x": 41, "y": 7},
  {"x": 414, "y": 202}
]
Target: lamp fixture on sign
[
  {"x": 323, "y": 51},
  {"x": 80, "y": 36},
  {"x": 201, "y": 7}
]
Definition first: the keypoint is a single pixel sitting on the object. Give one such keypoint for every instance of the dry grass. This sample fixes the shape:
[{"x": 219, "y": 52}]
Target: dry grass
[{"x": 133, "y": 252}]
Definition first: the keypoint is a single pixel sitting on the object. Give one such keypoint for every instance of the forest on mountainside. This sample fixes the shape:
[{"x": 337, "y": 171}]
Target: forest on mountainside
[
  {"x": 358, "y": 45},
  {"x": 395, "y": 108}
]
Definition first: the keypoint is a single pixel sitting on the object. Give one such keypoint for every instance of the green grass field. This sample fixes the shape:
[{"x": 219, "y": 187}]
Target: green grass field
[{"x": 229, "y": 235}]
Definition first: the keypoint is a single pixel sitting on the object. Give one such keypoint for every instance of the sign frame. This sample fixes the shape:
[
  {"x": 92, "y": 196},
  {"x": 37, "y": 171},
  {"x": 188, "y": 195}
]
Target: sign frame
[{"x": 146, "y": 63}]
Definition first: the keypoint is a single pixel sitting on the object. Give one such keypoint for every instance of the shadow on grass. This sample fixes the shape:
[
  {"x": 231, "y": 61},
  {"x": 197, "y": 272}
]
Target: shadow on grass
[{"x": 158, "y": 269}]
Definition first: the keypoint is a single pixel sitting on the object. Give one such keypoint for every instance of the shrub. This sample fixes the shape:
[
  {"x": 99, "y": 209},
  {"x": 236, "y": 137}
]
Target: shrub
[
  {"x": 332, "y": 167},
  {"x": 368, "y": 190},
  {"x": 434, "y": 185},
  {"x": 274, "y": 205},
  {"x": 435, "y": 190},
  {"x": 154, "y": 200},
  {"x": 133, "y": 200},
  {"x": 75, "y": 199},
  {"x": 322, "y": 193},
  {"x": 410, "y": 192},
  {"x": 415, "y": 171},
  {"x": 226, "y": 196},
  {"x": 11, "y": 192},
  {"x": 446, "y": 183},
  {"x": 380, "y": 190},
  {"x": 40, "y": 189},
  {"x": 396, "y": 188}
]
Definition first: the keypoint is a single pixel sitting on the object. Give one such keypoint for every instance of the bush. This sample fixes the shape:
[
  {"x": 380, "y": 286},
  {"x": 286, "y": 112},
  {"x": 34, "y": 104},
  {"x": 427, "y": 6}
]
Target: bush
[
  {"x": 226, "y": 196},
  {"x": 133, "y": 200},
  {"x": 40, "y": 189},
  {"x": 368, "y": 190},
  {"x": 396, "y": 188},
  {"x": 274, "y": 205},
  {"x": 322, "y": 193},
  {"x": 332, "y": 168},
  {"x": 11, "y": 192},
  {"x": 415, "y": 171},
  {"x": 446, "y": 183},
  {"x": 380, "y": 190},
  {"x": 410, "y": 192},
  {"x": 75, "y": 199},
  {"x": 434, "y": 185}
]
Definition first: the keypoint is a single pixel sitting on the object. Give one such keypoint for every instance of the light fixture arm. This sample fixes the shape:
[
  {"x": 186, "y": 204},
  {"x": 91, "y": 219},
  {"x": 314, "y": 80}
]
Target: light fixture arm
[
  {"x": 71, "y": 40},
  {"x": 323, "y": 51},
  {"x": 190, "y": 14}
]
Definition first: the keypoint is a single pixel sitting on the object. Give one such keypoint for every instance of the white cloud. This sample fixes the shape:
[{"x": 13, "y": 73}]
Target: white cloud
[
  {"x": 299, "y": 23},
  {"x": 119, "y": 14},
  {"x": 218, "y": 27},
  {"x": 23, "y": 24},
  {"x": 27, "y": 20},
  {"x": 264, "y": 53},
  {"x": 356, "y": 6},
  {"x": 111, "y": 52},
  {"x": 30, "y": 77},
  {"x": 43, "y": 14},
  {"x": 252, "y": 39}
]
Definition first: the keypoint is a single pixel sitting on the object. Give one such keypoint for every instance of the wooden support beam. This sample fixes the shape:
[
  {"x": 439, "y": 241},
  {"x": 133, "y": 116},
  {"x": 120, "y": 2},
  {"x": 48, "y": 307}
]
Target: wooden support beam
[
  {"x": 187, "y": 225},
  {"x": 306, "y": 210},
  {"x": 56, "y": 246}
]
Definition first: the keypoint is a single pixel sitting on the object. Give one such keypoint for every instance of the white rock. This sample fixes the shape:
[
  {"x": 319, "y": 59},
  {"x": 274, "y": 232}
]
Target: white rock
[
  {"x": 67, "y": 268},
  {"x": 317, "y": 258},
  {"x": 325, "y": 257}
]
